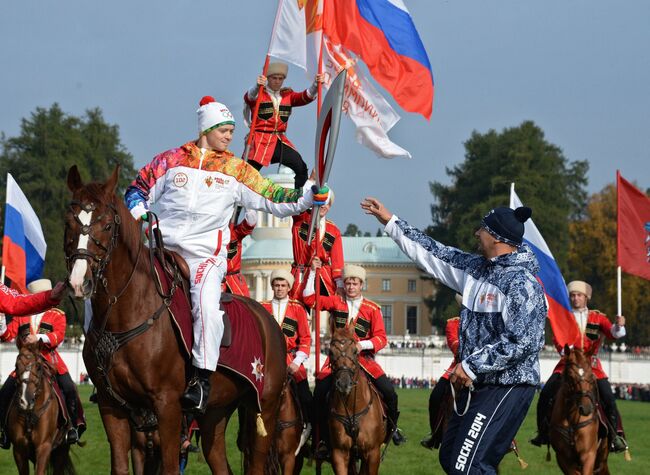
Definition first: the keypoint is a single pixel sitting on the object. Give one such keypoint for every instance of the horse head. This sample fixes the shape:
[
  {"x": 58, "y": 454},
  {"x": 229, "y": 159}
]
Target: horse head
[
  {"x": 92, "y": 224},
  {"x": 29, "y": 372},
  {"x": 344, "y": 360},
  {"x": 580, "y": 379}
]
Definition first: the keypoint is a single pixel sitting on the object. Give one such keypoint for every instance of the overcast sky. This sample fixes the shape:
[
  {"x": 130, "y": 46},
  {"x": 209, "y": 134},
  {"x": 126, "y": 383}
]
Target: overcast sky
[{"x": 580, "y": 69}]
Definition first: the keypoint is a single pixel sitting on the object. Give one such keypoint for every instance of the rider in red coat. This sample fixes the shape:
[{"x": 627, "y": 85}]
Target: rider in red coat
[
  {"x": 234, "y": 282},
  {"x": 46, "y": 326},
  {"x": 270, "y": 144},
  {"x": 292, "y": 318},
  {"x": 330, "y": 253},
  {"x": 594, "y": 327},
  {"x": 365, "y": 317}
]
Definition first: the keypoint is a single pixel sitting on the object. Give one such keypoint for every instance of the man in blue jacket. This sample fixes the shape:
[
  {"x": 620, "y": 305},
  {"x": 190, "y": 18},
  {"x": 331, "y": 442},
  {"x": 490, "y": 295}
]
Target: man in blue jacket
[{"x": 501, "y": 331}]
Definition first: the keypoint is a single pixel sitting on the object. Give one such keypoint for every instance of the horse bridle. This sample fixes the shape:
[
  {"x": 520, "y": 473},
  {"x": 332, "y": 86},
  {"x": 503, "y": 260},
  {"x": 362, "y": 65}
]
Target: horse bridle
[
  {"x": 96, "y": 263},
  {"x": 34, "y": 416},
  {"x": 577, "y": 394},
  {"x": 350, "y": 421}
]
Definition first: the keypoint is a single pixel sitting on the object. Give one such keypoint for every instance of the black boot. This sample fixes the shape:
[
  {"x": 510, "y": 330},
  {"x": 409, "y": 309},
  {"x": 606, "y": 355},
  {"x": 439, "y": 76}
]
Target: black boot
[
  {"x": 195, "y": 397},
  {"x": 6, "y": 394},
  {"x": 397, "y": 436},
  {"x": 72, "y": 436}
]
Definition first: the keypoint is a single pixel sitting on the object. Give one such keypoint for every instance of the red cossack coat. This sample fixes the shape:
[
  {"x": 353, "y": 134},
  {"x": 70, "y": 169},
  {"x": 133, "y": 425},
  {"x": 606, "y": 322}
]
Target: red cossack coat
[
  {"x": 368, "y": 325},
  {"x": 52, "y": 324},
  {"x": 272, "y": 124},
  {"x": 598, "y": 327},
  {"x": 330, "y": 252},
  {"x": 234, "y": 282},
  {"x": 451, "y": 332},
  {"x": 295, "y": 327}
]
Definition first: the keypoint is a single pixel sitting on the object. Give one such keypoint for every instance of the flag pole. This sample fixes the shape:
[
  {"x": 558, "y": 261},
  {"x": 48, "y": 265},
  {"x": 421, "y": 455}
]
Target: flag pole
[
  {"x": 619, "y": 299},
  {"x": 2, "y": 275}
]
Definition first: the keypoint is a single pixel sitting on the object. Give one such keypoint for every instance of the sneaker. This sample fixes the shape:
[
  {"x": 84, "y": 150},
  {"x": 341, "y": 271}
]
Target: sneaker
[
  {"x": 72, "y": 436},
  {"x": 618, "y": 444},
  {"x": 539, "y": 440},
  {"x": 427, "y": 442},
  {"x": 5, "y": 443},
  {"x": 398, "y": 437},
  {"x": 195, "y": 397}
]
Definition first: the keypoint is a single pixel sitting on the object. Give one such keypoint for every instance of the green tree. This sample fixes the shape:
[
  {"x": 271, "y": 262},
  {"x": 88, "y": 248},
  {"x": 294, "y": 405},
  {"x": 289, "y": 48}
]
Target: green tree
[
  {"x": 49, "y": 143},
  {"x": 545, "y": 180},
  {"x": 592, "y": 258}
]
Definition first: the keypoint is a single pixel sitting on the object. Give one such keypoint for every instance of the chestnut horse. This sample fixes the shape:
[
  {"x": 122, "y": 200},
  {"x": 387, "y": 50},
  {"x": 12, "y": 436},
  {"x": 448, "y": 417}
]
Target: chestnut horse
[
  {"x": 132, "y": 351},
  {"x": 33, "y": 417},
  {"x": 356, "y": 423},
  {"x": 288, "y": 431},
  {"x": 575, "y": 421}
]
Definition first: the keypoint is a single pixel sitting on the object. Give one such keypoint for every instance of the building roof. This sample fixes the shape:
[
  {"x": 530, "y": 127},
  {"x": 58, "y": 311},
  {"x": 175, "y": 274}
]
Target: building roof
[{"x": 367, "y": 250}]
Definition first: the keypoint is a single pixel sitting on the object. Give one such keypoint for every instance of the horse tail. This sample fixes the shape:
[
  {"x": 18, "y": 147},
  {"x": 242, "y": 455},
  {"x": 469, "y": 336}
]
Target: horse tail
[{"x": 61, "y": 462}]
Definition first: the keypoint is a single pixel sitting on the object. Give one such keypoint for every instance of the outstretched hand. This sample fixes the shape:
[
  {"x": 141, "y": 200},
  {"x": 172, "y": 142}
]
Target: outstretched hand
[
  {"x": 375, "y": 207},
  {"x": 58, "y": 292}
]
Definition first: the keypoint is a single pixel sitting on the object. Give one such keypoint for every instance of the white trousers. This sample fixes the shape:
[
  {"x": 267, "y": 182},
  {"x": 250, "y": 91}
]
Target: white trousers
[{"x": 206, "y": 275}]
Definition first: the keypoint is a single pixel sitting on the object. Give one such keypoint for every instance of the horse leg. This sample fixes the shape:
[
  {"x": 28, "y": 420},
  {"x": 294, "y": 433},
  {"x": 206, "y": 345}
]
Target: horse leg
[
  {"x": 22, "y": 461},
  {"x": 262, "y": 444},
  {"x": 118, "y": 431},
  {"x": 168, "y": 409},
  {"x": 370, "y": 464},
  {"x": 340, "y": 461},
  {"x": 213, "y": 439},
  {"x": 43, "y": 452}
]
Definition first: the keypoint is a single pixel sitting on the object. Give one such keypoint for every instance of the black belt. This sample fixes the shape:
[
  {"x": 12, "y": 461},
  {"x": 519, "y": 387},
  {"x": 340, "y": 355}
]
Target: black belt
[{"x": 276, "y": 132}]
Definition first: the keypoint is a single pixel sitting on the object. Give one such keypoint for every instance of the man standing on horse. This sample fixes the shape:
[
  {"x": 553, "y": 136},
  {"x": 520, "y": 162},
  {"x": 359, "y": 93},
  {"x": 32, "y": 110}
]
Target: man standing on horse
[
  {"x": 501, "y": 331},
  {"x": 196, "y": 189},
  {"x": 594, "y": 327},
  {"x": 329, "y": 250},
  {"x": 292, "y": 318},
  {"x": 364, "y": 316},
  {"x": 234, "y": 282},
  {"x": 46, "y": 327},
  {"x": 270, "y": 144}
]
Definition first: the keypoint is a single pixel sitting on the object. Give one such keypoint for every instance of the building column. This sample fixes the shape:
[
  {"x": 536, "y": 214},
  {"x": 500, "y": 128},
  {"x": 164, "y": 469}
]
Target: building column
[{"x": 259, "y": 286}]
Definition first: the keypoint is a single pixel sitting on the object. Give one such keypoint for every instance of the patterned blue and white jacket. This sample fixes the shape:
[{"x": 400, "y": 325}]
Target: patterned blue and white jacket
[{"x": 504, "y": 308}]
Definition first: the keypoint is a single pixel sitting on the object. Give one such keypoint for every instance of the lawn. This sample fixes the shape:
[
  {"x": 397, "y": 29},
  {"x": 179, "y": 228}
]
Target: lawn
[{"x": 407, "y": 459}]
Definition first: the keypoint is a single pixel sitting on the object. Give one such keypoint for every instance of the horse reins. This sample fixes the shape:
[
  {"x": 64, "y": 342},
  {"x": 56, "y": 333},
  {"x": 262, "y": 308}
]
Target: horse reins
[{"x": 350, "y": 421}]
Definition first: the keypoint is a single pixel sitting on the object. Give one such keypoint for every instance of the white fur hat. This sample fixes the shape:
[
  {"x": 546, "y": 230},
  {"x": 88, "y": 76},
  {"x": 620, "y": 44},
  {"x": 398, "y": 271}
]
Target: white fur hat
[
  {"x": 213, "y": 114},
  {"x": 39, "y": 285},
  {"x": 277, "y": 68},
  {"x": 282, "y": 274},
  {"x": 350, "y": 270},
  {"x": 580, "y": 286}
]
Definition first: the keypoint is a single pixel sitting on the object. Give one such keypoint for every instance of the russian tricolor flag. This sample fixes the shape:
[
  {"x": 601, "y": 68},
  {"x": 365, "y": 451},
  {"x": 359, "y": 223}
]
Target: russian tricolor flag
[
  {"x": 560, "y": 315},
  {"x": 383, "y": 35},
  {"x": 23, "y": 244}
]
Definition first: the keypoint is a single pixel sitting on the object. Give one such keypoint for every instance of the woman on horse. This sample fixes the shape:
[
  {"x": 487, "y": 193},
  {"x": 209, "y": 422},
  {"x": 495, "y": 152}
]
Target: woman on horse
[
  {"x": 18, "y": 305},
  {"x": 196, "y": 189},
  {"x": 365, "y": 317},
  {"x": 501, "y": 330},
  {"x": 594, "y": 327}
]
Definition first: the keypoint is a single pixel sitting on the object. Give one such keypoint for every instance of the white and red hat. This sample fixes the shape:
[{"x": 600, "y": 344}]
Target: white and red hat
[{"x": 213, "y": 114}]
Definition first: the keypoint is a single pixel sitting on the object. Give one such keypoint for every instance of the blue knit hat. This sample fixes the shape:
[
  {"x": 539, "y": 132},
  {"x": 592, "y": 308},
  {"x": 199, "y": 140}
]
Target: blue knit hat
[{"x": 506, "y": 224}]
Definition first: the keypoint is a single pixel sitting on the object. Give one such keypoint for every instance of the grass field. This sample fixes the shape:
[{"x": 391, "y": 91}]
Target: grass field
[{"x": 407, "y": 459}]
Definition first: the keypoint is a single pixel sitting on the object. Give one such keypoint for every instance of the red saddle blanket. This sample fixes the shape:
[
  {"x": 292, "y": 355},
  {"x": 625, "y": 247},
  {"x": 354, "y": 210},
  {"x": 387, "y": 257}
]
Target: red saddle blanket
[
  {"x": 64, "y": 416},
  {"x": 244, "y": 355}
]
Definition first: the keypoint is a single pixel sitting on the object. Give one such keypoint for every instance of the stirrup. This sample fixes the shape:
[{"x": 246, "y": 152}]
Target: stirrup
[
  {"x": 427, "y": 441},
  {"x": 397, "y": 437},
  {"x": 72, "y": 436},
  {"x": 304, "y": 436}
]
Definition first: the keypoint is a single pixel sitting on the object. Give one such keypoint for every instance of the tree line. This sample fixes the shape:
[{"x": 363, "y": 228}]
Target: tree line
[{"x": 579, "y": 229}]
